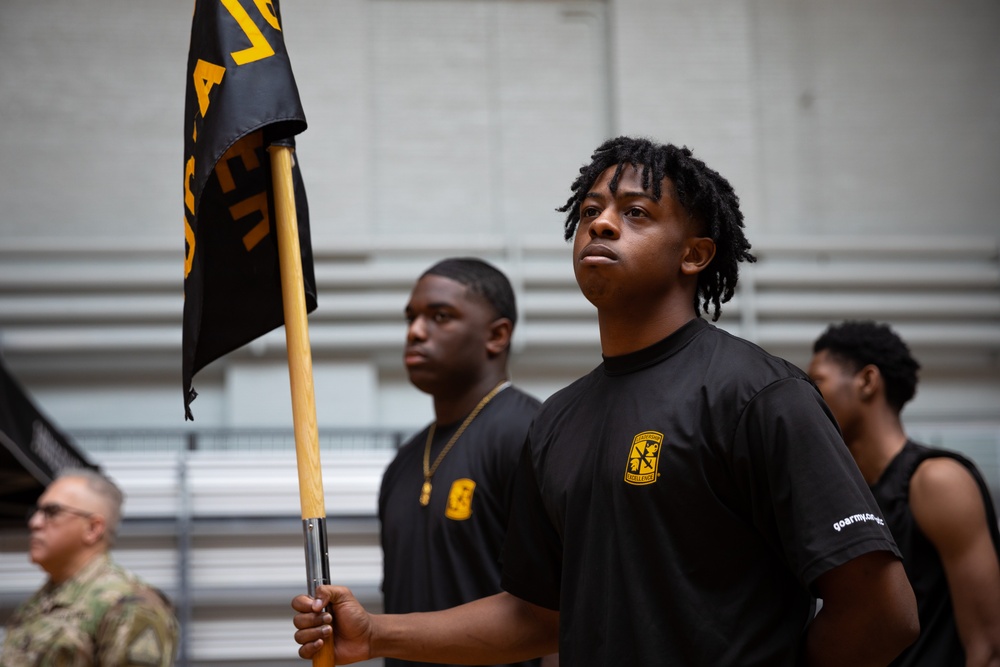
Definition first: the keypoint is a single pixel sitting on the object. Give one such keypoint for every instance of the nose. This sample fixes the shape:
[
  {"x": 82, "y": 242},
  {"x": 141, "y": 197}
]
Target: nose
[
  {"x": 416, "y": 330},
  {"x": 605, "y": 225},
  {"x": 35, "y": 520}
]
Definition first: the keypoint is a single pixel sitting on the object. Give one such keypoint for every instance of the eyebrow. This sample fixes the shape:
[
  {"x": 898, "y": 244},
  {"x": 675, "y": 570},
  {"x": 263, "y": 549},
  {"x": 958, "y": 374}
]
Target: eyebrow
[
  {"x": 437, "y": 305},
  {"x": 641, "y": 194},
  {"x": 627, "y": 194}
]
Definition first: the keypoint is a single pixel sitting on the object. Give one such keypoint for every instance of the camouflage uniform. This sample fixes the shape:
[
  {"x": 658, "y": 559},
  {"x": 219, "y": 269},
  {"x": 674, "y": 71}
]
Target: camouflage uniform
[{"x": 103, "y": 616}]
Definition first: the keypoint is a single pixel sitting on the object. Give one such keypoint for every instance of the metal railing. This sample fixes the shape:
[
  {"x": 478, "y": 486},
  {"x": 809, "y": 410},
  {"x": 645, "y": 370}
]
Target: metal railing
[{"x": 102, "y": 441}]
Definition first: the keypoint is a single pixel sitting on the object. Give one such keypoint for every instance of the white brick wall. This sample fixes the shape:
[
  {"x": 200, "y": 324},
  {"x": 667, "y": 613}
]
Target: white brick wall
[{"x": 471, "y": 117}]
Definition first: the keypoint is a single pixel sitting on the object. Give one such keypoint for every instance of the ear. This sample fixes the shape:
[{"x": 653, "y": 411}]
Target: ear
[
  {"x": 697, "y": 255},
  {"x": 96, "y": 531},
  {"x": 869, "y": 382},
  {"x": 500, "y": 333}
]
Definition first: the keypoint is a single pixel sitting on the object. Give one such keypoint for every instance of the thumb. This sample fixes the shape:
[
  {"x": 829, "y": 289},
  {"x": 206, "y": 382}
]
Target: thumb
[{"x": 324, "y": 593}]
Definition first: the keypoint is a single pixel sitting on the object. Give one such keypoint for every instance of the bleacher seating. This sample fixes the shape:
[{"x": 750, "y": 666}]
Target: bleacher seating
[
  {"x": 943, "y": 291},
  {"x": 219, "y": 528}
]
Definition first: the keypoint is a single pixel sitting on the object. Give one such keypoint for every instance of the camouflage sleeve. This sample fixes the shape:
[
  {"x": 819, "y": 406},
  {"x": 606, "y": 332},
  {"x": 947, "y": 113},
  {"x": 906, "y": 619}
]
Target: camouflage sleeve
[
  {"x": 139, "y": 631},
  {"x": 64, "y": 650},
  {"x": 42, "y": 637}
]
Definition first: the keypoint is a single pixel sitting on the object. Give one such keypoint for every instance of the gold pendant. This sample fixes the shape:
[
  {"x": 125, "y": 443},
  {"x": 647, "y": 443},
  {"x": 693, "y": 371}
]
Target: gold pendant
[{"x": 425, "y": 493}]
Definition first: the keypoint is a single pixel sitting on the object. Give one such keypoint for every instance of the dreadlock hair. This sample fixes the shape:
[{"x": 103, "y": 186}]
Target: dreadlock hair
[
  {"x": 859, "y": 343},
  {"x": 480, "y": 278},
  {"x": 706, "y": 197}
]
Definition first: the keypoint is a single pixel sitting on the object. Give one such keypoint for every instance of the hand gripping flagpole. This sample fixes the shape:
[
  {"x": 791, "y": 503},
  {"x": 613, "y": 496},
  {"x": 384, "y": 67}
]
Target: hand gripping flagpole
[{"x": 301, "y": 381}]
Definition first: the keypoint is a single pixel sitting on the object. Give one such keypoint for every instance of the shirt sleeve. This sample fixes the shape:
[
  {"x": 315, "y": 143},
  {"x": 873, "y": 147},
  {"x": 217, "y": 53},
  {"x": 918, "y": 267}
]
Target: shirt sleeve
[
  {"x": 138, "y": 631},
  {"x": 532, "y": 551},
  {"x": 806, "y": 493}
]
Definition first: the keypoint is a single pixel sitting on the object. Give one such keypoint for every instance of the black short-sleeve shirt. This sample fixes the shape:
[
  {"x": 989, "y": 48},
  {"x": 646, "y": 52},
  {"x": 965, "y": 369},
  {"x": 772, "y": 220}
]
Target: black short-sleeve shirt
[
  {"x": 448, "y": 553},
  {"x": 677, "y": 503}
]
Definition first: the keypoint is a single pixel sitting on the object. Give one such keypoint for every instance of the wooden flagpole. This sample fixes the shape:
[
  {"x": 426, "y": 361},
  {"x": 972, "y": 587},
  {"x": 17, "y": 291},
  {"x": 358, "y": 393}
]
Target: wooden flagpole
[{"x": 301, "y": 381}]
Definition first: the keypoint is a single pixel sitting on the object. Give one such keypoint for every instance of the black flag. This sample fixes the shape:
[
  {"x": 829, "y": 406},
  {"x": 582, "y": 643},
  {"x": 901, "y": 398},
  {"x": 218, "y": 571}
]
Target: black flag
[
  {"x": 32, "y": 451},
  {"x": 241, "y": 98}
]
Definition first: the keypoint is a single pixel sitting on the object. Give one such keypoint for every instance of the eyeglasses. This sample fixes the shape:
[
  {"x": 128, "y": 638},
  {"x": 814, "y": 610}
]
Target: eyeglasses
[{"x": 52, "y": 510}]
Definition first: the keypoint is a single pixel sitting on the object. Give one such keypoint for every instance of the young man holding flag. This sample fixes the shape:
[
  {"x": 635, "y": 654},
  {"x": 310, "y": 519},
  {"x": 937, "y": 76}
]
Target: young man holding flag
[{"x": 686, "y": 501}]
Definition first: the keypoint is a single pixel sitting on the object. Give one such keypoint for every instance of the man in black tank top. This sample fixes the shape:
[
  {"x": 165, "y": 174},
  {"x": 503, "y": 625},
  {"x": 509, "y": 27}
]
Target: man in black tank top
[{"x": 936, "y": 502}]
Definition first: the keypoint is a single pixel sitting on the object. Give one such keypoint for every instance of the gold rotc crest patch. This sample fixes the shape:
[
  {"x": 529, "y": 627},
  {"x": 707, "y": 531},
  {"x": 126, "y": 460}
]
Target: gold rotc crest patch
[
  {"x": 644, "y": 458},
  {"x": 459, "y": 505}
]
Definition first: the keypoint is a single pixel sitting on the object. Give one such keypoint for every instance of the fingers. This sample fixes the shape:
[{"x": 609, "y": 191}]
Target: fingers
[
  {"x": 325, "y": 593},
  {"x": 310, "y": 637},
  {"x": 314, "y": 624},
  {"x": 311, "y": 620},
  {"x": 307, "y": 651},
  {"x": 303, "y": 603},
  {"x": 311, "y": 627}
]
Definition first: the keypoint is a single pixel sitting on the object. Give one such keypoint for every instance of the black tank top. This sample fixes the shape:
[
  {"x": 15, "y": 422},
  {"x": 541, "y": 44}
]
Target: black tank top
[{"x": 938, "y": 644}]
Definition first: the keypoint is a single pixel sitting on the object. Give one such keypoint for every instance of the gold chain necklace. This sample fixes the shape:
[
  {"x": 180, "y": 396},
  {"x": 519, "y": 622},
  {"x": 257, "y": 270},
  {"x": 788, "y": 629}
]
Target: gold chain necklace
[{"x": 429, "y": 470}]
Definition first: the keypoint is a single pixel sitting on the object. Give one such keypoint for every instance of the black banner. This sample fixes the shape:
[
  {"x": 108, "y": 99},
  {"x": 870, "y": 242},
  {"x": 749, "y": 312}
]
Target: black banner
[
  {"x": 32, "y": 451},
  {"x": 241, "y": 98}
]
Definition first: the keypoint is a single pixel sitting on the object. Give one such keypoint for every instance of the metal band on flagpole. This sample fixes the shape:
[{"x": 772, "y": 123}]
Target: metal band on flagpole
[{"x": 317, "y": 556}]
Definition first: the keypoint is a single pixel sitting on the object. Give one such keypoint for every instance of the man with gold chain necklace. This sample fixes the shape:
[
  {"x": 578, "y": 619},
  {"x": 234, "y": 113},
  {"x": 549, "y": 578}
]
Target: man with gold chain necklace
[{"x": 444, "y": 500}]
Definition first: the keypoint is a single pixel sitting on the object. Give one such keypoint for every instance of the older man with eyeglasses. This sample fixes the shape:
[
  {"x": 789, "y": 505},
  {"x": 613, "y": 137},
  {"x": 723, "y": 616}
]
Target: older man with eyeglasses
[{"x": 91, "y": 611}]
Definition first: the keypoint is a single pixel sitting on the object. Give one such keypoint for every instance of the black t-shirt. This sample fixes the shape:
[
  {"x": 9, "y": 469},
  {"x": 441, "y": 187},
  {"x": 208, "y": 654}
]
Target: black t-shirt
[
  {"x": 939, "y": 644},
  {"x": 677, "y": 503},
  {"x": 447, "y": 553}
]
